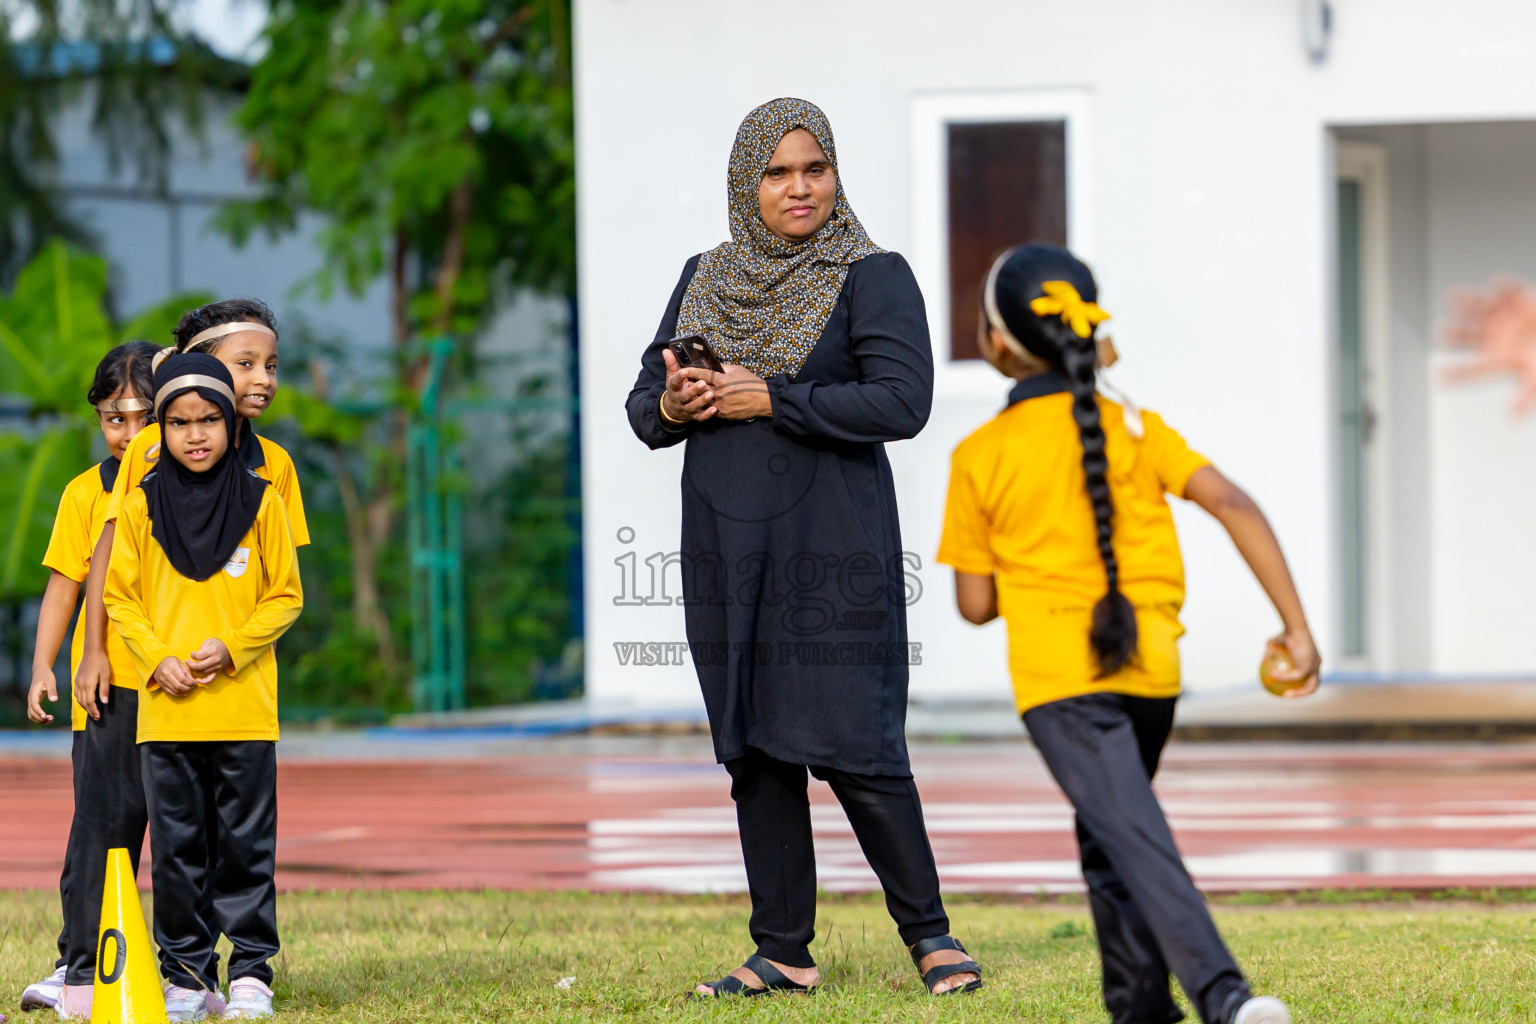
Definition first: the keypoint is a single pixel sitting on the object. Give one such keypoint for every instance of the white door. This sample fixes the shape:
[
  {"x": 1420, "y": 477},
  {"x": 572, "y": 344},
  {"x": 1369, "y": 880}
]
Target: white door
[{"x": 1364, "y": 626}]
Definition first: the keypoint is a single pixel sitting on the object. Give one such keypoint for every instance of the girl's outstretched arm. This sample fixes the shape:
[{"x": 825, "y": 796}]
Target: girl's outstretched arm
[{"x": 1256, "y": 542}]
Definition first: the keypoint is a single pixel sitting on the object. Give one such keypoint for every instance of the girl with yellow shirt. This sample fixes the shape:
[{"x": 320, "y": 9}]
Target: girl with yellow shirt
[
  {"x": 242, "y": 333},
  {"x": 1057, "y": 520},
  {"x": 109, "y": 796},
  {"x": 204, "y": 578}
]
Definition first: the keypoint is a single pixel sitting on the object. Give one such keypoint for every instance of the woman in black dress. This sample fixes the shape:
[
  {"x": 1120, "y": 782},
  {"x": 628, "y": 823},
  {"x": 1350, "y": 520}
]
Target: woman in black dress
[{"x": 794, "y": 580}]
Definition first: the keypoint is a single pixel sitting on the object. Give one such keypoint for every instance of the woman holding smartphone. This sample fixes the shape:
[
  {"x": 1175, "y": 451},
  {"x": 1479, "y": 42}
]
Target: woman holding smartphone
[{"x": 794, "y": 579}]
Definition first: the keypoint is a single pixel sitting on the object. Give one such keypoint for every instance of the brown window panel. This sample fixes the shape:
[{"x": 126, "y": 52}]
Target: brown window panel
[{"x": 1007, "y": 185}]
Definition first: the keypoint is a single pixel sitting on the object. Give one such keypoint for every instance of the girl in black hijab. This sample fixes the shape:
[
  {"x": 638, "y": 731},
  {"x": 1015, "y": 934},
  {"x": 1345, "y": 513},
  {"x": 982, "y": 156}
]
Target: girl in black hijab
[
  {"x": 203, "y": 580},
  {"x": 200, "y": 508}
]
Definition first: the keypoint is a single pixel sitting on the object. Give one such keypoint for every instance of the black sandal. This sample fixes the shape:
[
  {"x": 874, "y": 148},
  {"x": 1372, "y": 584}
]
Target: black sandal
[
  {"x": 938, "y": 973},
  {"x": 774, "y": 982}
]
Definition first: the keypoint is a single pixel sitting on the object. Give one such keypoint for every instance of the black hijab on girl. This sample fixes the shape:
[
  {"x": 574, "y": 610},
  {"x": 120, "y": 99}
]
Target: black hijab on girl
[{"x": 199, "y": 519}]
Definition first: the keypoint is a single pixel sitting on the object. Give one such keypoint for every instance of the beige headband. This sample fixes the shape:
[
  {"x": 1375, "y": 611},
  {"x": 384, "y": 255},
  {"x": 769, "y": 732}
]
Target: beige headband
[
  {"x": 193, "y": 380},
  {"x": 995, "y": 319},
  {"x": 123, "y": 405},
  {"x": 224, "y": 330}
]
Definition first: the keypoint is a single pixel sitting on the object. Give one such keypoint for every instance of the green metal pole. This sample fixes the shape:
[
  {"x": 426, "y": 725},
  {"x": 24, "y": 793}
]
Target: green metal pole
[
  {"x": 436, "y": 555},
  {"x": 436, "y": 624},
  {"x": 416, "y": 565},
  {"x": 455, "y": 585}
]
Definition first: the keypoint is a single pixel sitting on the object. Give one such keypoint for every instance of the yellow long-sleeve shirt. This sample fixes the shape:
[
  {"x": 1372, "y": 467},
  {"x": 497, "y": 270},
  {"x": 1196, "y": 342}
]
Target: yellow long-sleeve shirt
[
  {"x": 76, "y": 528},
  {"x": 276, "y": 468},
  {"x": 162, "y": 614}
]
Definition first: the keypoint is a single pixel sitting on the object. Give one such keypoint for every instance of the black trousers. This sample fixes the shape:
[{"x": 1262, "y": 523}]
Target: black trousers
[
  {"x": 213, "y": 830},
  {"x": 773, "y": 813},
  {"x": 76, "y": 752},
  {"x": 1103, "y": 749},
  {"x": 109, "y": 813}
]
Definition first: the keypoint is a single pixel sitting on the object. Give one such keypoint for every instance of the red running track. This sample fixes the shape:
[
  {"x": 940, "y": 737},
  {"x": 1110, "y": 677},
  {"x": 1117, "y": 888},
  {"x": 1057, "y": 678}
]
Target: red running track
[{"x": 638, "y": 815}]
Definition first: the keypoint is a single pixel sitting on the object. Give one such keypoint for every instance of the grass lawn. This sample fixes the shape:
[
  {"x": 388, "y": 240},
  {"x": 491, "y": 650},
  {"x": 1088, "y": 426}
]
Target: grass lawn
[{"x": 495, "y": 956}]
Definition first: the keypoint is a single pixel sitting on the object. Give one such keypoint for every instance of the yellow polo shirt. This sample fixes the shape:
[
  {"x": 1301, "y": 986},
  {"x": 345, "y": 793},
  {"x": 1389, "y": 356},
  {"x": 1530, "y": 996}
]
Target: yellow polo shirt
[
  {"x": 76, "y": 528},
  {"x": 1018, "y": 508},
  {"x": 276, "y": 468},
  {"x": 248, "y": 605}
]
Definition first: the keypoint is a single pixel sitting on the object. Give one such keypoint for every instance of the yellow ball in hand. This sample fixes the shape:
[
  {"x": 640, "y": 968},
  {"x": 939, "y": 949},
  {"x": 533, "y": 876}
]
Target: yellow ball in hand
[{"x": 1278, "y": 659}]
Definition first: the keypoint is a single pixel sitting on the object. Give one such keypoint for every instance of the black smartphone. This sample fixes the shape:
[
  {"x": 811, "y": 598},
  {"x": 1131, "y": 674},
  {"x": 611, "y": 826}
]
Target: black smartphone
[{"x": 695, "y": 350}]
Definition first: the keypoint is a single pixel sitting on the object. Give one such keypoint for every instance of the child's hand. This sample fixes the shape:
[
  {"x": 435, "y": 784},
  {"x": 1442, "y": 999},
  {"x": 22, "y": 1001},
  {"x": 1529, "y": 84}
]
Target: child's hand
[
  {"x": 42, "y": 682},
  {"x": 209, "y": 660},
  {"x": 174, "y": 677},
  {"x": 93, "y": 681},
  {"x": 1305, "y": 662}
]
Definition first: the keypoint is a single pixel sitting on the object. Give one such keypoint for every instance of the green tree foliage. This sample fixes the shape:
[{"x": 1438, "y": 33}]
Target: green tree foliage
[
  {"x": 436, "y": 138},
  {"x": 135, "y": 73},
  {"x": 519, "y": 615},
  {"x": 518, "y": 530},
  {"x": 54, "y": 329}
]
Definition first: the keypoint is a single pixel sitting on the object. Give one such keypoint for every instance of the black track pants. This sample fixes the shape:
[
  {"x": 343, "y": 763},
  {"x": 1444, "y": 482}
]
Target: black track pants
[
  {"x": 109, "y": 813},
  {"x": 213, "y": 801},
  {"x": 1103, "y": 749}
]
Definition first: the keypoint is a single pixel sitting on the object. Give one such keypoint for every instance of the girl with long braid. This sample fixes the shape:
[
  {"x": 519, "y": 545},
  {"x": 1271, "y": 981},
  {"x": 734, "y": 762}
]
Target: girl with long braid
[{"x": 1057, "y": 521}]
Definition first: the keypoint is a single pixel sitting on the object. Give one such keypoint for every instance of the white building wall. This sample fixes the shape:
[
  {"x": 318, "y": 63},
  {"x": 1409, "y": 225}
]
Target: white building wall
[
  {"x": 1482, "y": 222},
  {"x": 1210, "y": 191}
]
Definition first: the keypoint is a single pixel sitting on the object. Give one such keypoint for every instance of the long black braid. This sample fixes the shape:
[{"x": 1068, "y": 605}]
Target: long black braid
[{"x": 1019, "y": 280}]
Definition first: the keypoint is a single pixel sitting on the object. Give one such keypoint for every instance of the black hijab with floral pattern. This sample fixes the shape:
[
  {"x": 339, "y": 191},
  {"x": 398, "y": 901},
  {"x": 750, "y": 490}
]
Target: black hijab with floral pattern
[{"x": 763, "y": 301}]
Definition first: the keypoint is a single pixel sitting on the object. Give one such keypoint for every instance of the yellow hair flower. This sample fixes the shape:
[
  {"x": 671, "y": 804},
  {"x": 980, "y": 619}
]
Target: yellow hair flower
[{"x": 1061, "y": 298}]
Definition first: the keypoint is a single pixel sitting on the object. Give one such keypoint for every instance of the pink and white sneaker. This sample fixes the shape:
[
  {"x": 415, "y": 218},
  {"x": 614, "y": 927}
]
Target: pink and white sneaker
[
  {"x": 45, "y": 994},
  {"x": 248, "y": 998},
  {"x": 75, "y": 1003},
  {"x": 183, "y": 1005}
]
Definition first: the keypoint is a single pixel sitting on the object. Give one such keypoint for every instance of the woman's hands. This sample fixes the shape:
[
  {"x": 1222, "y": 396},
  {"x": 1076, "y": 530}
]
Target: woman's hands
[
  {"x": 685, "y": 398},
  {"x": 695, "y": 393},
  {"x": 739, "y": 394}
]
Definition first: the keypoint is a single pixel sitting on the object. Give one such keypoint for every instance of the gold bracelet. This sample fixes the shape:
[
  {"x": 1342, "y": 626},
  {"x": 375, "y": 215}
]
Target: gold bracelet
[{"x": 662, "y": 406}]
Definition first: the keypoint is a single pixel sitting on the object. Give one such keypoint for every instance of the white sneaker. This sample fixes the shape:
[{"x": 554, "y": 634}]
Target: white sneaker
[
  {"x": 1262, "y": 1010},
  {"x": 45, "y": 994},
  {"x": 248, "y": 998},
  {"x": 184, "y": 1004}
]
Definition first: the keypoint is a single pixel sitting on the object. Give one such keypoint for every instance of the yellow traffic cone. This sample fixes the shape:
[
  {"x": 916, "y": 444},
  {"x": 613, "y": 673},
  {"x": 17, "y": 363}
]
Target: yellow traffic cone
[{"x": 127, "y": 983}]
